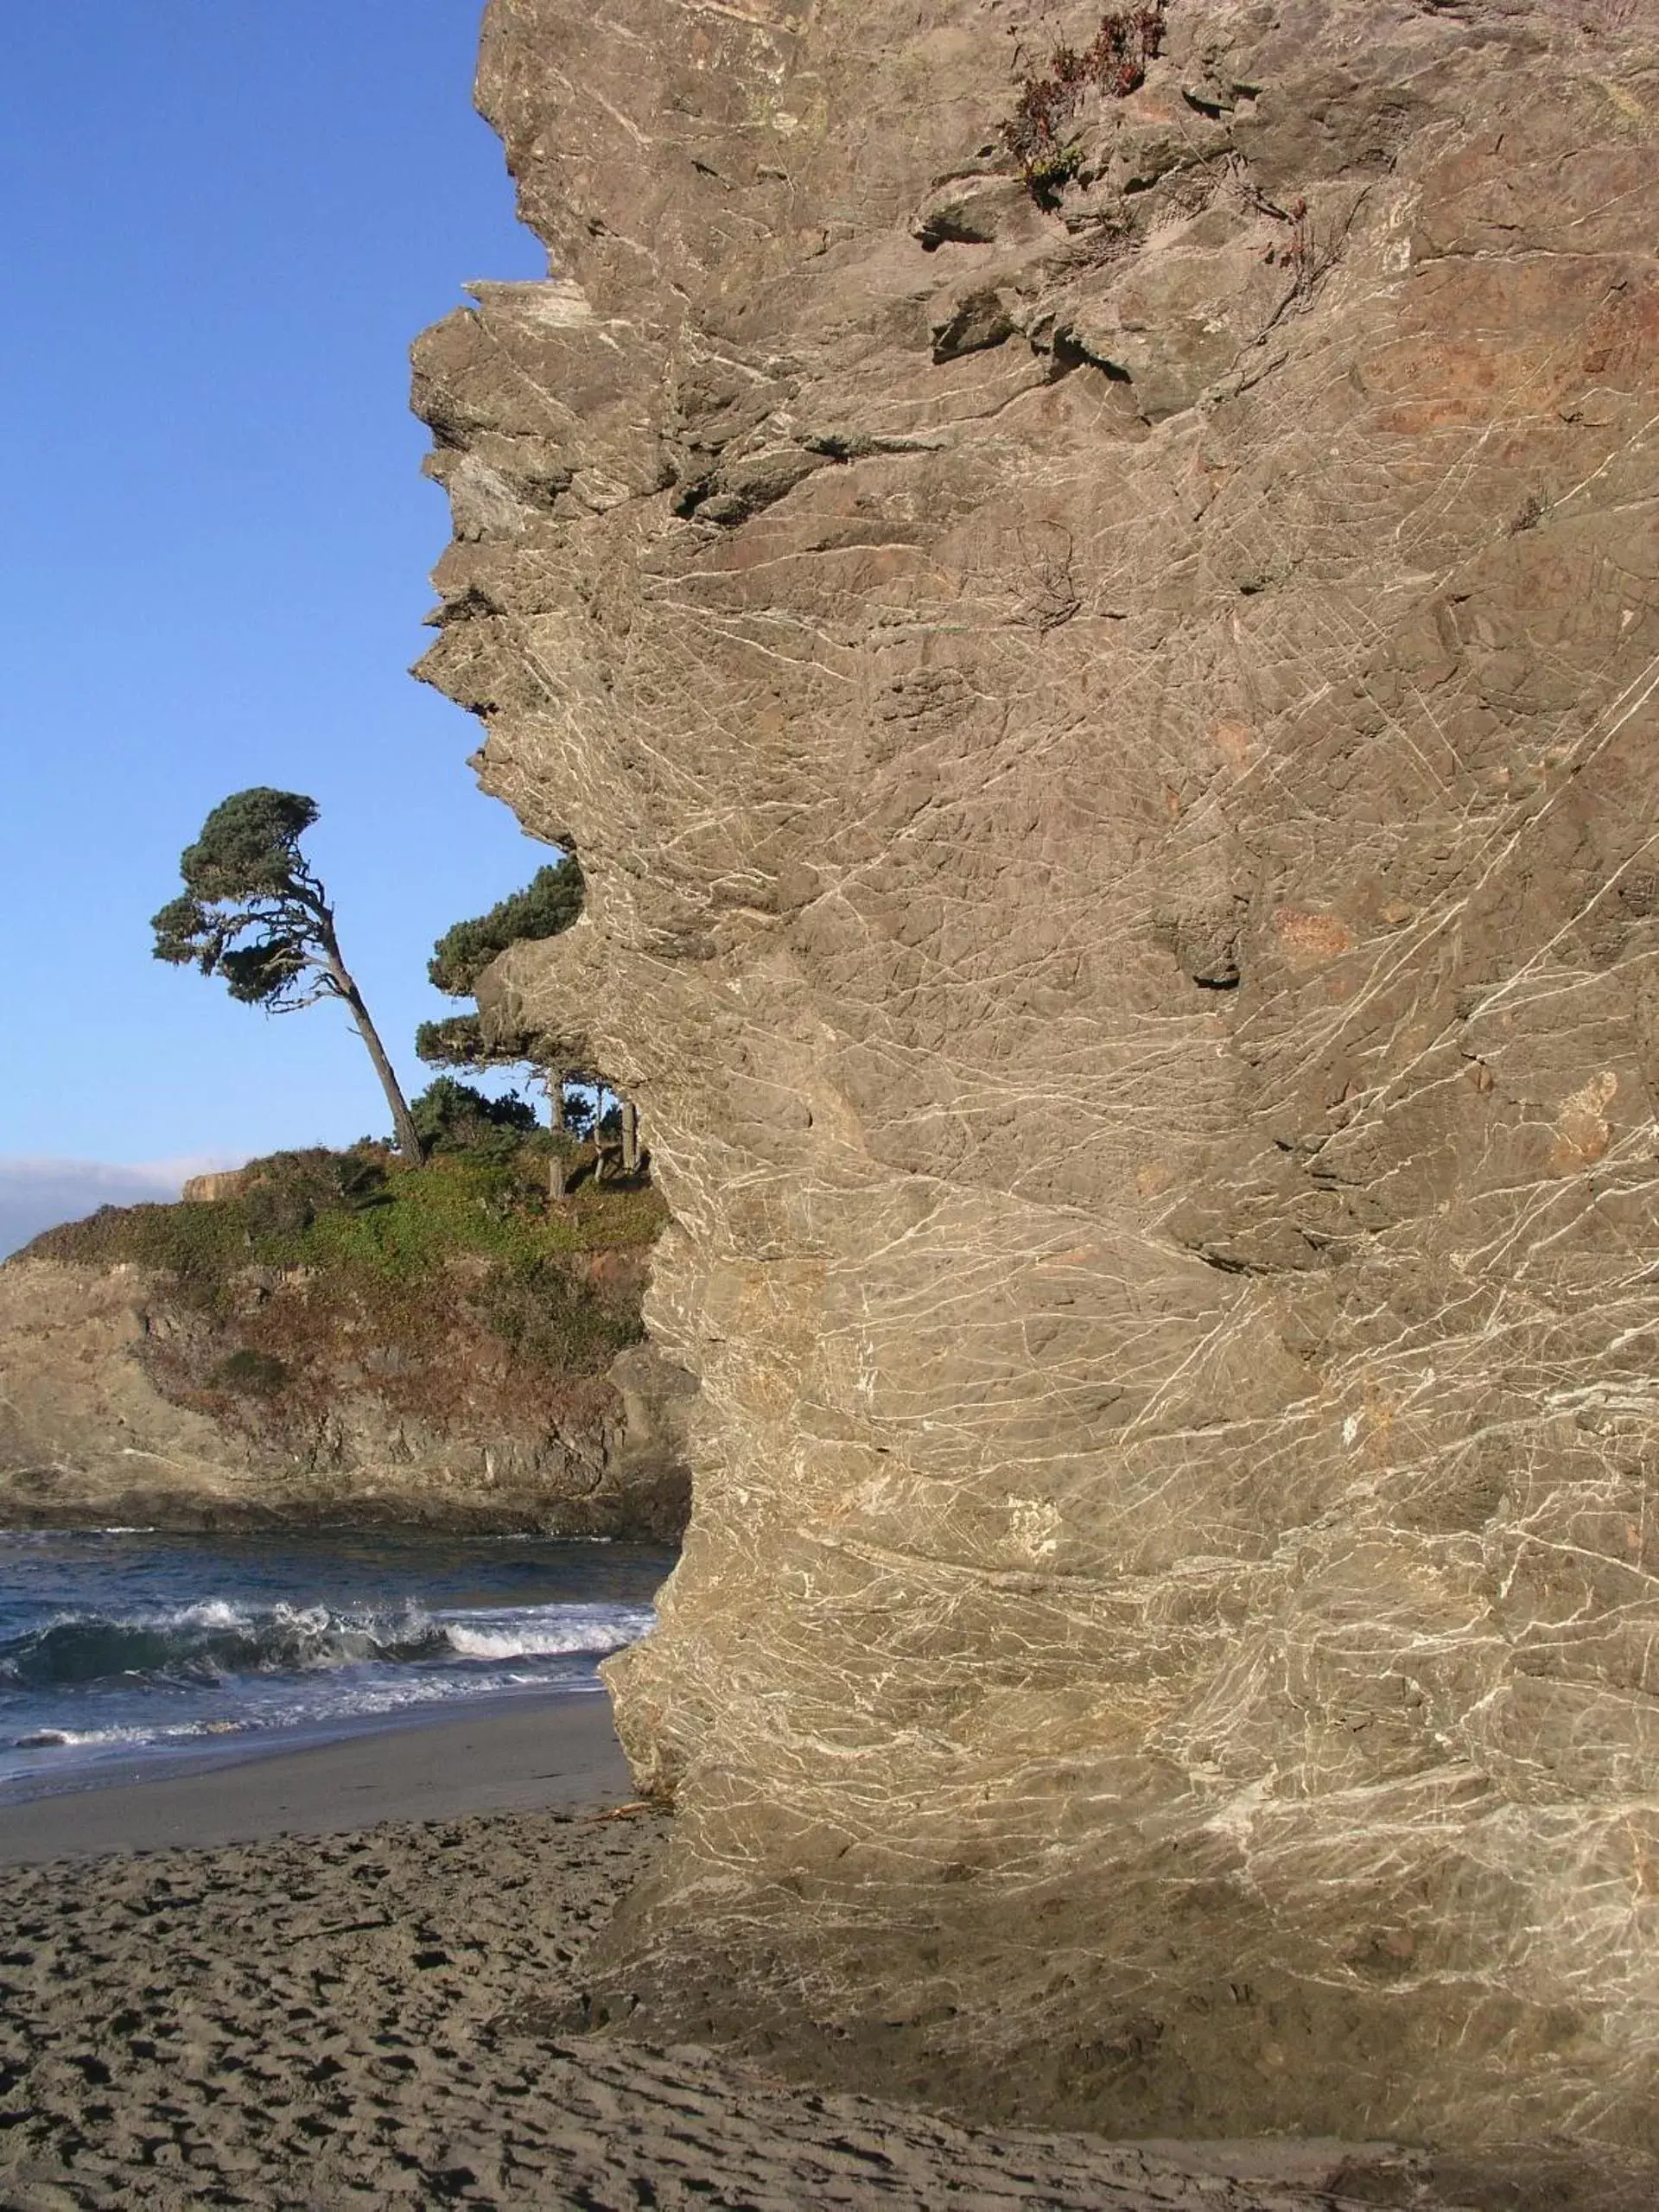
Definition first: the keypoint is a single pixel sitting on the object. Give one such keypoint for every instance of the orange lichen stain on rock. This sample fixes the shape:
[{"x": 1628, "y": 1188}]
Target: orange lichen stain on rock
[
  {"x": 1582, "y": 1134},
  {"x": 1238, "y": 745},
  {"x": 1377, "y": 1410},
  {"x": 1074, "y": 1255},
  {"x": 1616, "y": 349},
  {"x": 1308, "y": 938},
  {"x": 1152, "y": 1177},
  {"x": 1443, "y": 375}
]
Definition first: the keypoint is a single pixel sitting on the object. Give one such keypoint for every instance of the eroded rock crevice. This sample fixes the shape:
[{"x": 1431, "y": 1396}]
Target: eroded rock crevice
[{"x": 1111, "y": 744}]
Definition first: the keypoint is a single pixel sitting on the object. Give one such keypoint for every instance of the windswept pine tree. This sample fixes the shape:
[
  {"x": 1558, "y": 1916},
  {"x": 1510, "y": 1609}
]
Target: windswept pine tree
[{"x": 254, "y": 913}]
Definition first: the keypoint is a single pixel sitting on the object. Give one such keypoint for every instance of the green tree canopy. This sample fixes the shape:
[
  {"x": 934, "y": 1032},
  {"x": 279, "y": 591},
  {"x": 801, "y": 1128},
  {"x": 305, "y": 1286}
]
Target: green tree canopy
[
  {"x": 246, "y": 879},
  {"x": 458, "y": 1041},
  {"x": 549, "y": 902},
  {"x": 253, "y": 913}
]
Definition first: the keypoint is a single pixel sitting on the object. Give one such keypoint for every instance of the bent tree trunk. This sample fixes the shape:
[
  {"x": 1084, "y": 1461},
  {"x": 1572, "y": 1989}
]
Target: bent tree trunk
[{"x": 404, "y": 1129}]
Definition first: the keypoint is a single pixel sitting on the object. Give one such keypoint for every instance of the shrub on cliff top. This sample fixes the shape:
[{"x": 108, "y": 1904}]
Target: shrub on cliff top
[
  {"x": 549, "y": 1315},
  {"x": 286, "y": 1191},
  {"x": 256, "y": 1373},
  {"x": 454, "y": 1117}
]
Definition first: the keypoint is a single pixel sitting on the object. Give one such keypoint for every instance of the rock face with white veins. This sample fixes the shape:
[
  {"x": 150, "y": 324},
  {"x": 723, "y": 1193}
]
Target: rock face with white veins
[{"x": 1109, "y": 719}]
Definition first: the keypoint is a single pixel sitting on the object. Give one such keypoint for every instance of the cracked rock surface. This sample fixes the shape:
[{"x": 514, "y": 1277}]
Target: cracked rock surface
[{"x": 1112, "y": 744}]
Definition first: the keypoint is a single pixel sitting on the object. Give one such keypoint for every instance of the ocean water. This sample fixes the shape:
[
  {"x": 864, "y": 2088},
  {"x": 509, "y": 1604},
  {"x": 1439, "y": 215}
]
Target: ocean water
[{"x": 126, "y": 1649}]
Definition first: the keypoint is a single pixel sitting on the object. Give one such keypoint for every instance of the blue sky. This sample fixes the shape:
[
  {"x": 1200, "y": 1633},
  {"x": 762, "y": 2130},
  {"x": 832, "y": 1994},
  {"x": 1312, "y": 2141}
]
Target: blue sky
[{"x": 225, "y": 219}]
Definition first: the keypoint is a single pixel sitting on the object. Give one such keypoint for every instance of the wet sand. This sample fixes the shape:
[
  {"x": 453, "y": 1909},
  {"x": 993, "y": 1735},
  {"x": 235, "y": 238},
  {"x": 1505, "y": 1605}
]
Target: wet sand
[
  {"x": 358, "y": 2014},
  {"x": 553, "y": 1752}
]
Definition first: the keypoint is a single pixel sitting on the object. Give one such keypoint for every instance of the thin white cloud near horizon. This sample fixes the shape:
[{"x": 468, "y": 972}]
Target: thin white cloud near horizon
[{"x": 38, "y": 1193}]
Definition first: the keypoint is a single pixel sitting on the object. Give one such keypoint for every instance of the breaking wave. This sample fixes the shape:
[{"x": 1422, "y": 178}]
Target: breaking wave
[
  {"x": 205, "y": 1642},
  {"x": 122, "y": 1649}
]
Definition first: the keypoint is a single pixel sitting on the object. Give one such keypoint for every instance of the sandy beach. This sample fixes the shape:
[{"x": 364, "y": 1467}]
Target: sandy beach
[{"x": 361, "y": 1993}]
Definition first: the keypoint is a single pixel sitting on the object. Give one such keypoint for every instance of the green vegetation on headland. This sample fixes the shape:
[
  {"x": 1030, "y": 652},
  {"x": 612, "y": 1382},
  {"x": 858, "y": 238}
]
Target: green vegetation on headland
[
  {"x": 435, "y": 1290},
  {"x": 344, "y": 1209}
]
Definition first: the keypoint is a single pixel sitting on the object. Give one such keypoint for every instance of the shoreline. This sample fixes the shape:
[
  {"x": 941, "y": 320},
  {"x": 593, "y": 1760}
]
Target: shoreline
[
  {"x": 526, "y": 1755},
  {"x": 387, "y": 1513}
]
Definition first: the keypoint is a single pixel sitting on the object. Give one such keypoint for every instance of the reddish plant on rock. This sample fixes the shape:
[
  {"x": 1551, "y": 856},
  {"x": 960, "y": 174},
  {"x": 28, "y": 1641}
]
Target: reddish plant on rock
[{"x": 1115, "y": 63}]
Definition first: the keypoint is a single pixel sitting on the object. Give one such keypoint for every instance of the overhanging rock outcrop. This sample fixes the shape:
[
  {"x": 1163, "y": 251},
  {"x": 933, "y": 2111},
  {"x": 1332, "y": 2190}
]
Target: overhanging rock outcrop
[{"x": 1109, "y": 717}]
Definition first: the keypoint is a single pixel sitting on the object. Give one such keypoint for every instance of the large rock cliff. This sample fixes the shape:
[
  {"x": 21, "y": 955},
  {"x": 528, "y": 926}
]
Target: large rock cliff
[{"x": 1091, "y": 615}]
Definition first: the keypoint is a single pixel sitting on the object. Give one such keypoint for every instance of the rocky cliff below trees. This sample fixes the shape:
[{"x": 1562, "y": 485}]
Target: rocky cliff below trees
[
  {"x": 1102, "y": 679},
  {"x": 312, "y": 1342}
]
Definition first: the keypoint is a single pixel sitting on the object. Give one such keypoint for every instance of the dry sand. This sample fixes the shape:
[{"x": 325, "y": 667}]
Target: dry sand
[{"x": 374, "y": 2015}]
